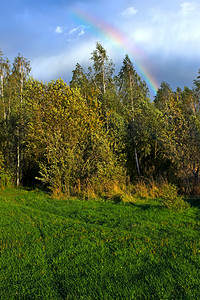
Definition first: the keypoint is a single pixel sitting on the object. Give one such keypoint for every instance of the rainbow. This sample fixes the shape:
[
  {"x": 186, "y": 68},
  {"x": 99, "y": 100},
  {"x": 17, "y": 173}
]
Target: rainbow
[{"x": 113, "y": 34}]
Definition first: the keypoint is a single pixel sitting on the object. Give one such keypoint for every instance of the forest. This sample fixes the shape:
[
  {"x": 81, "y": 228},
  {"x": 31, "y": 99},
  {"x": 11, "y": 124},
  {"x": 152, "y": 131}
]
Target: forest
[{"x": 99, "y": 133}]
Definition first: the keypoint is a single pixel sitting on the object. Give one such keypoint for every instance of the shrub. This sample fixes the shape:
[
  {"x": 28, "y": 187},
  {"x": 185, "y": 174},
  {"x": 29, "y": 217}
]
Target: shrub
[
  {"x": 167, "y": 192},
  {"x": 171, "y": 199},
  {"x": 5, "y": 176},
  {"x": 122, "y": 198},
  {"x": 146, "y": 189},
  {"x": 196, "y": 189}
]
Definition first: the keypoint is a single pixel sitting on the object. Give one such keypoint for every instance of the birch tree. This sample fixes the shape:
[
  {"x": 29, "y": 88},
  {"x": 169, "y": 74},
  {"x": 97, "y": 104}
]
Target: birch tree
[
  {"x": 101, "y": 75},
  {"x": 20, "y": 71},
  {"x": 4, "y": 73},
  {"x": 134, "y": 96}
]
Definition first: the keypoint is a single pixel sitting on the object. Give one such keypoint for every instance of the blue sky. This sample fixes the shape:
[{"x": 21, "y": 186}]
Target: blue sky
[{"x": 166, "y": 35}]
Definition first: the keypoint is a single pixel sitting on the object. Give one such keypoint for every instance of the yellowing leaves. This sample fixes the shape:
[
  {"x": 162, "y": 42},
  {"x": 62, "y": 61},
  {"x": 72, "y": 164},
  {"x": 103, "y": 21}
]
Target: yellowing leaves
[{"x": 71, "y": 134}]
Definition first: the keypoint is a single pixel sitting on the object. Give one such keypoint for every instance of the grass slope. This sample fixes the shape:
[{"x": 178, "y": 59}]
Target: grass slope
[{"x": 53, "y": 249}]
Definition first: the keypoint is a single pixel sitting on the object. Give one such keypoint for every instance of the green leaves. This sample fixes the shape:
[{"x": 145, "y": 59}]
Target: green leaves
[
  {"x": 178, "y": 133},
  {"x": 5, "y": 175},
  {"x": 68, "y": 138},
  {"x": 90, "y": 134}
]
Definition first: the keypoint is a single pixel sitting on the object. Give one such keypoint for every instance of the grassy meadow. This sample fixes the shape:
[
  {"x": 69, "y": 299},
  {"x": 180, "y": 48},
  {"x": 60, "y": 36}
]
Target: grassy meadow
[{"x": 75, "y": 249}]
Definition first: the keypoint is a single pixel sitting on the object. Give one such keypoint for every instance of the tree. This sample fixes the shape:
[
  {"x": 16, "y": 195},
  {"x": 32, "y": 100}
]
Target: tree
[
  {"x": 14, "y": 114},
  {"x": 80, "y": 80},
  {"x": 20, "y": 71},
  {"x": 103, "y": 69},
  {"x": 179, "y": 132},
  {"x": 4, "y": 73},
  {"x": 75, "y": 147},
  {"x": 134, "y": 97},
  {"x": 163, "y": 95},
  {"x": 197, "y": 88},
  {"x": 101, "y": 75}
]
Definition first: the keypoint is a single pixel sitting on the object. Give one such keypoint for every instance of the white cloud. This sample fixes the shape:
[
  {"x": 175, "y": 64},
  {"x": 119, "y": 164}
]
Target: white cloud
[
  {"x": 76, "y": 33},
  {"x": 51, "y": 67},
  {"x": 143, "y": 35},
  {"x": 81, "y": 33},
  {"x": 187, "y": 8},
  {"x": 73, "y": 30},
  {"x": 167, "y": 32},
  {"x": 58, "y": 30},
  {"x": 130, "y": 11}
]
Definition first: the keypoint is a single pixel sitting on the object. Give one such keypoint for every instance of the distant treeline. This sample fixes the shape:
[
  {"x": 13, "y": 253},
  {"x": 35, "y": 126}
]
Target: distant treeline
[{"x": 99, "y": 133}]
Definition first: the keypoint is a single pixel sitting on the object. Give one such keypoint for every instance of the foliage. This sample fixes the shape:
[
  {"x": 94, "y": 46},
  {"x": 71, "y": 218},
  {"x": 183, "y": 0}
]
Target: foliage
[
  {"x": 179, "y": 133},
  {"x": 145, "y": 189},
  {"x": 137, "y": 112},
  {"x": 75, "y": 146},
  {"x": 171, "y": 199},
  {"x": 13, "y": 117},
  {"x": 5, "y": 176},
  {"x": 160, "y": 189},
  {"x": 100, "y": 131}
]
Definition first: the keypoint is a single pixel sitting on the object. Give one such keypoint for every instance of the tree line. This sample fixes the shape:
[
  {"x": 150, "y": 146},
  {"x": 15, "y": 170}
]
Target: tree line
[{"x": 99, "y": 132}]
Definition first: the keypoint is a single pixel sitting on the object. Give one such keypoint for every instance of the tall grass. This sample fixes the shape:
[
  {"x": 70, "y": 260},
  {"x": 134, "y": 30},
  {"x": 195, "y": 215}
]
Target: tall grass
[{"x": 160, "y": 189}]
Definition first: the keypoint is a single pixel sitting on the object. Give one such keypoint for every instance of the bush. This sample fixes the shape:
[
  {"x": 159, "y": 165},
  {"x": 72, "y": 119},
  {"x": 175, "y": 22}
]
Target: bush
[
  {"x": 5, "y": 176},
  {"x": 167, "y": 192},
  {"x": 122, "y": 198},
  {"x": 171, "y": 199},
  {"x": 146, "y": 189},
  {"x": 196, "y": 189}
]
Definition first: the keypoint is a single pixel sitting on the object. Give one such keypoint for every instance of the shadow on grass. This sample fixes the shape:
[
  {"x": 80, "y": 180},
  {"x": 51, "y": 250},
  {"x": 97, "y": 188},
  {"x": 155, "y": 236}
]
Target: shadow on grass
[
  {"x": 195, "y": 202},
  {"x": 145, "y": 206}
]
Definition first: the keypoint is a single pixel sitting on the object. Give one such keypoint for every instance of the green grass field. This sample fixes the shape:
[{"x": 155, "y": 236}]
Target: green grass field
[{"x": 73, "y": 249}]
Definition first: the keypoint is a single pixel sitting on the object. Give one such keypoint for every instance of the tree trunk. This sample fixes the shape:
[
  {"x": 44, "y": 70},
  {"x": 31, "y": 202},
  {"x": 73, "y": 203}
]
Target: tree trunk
[
  {"x": 18, "y": 165},
  {"x": 137, "y": 162},
  {"x": 2, "y": 97}
]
